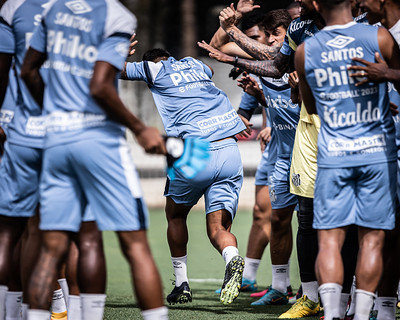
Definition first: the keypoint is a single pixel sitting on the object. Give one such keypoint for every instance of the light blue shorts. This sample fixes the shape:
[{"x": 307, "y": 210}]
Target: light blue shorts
[
  {"x": 264, "y": 171},
  {"x": 279, "y": 189},
  {"x": 98, "y": 172},
  {"x": 19, "y": 180},
  {"x": 220, "y": 182},
  {"x": 364, "y": 196}
]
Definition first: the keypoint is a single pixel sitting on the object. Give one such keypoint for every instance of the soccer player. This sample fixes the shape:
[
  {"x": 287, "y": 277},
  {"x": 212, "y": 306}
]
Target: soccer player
[
  {"x": 388, "y": 14},
  {"x": 86, "y": 158},
  {"x": 252, "y": 26},
  {"x": 21, "y": 162},
  {"x": 284, "y": 117},
  {"x": 356, "y": 151},
  {"x": 191, "y": 106}
]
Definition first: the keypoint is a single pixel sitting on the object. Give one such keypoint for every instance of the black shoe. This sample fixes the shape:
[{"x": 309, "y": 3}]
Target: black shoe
[{"x": 181, "y": 294}]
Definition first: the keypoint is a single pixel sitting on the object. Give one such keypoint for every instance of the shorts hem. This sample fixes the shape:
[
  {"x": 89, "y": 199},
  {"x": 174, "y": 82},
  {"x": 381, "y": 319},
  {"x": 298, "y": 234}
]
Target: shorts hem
[
  {"x": 375, "y": 227},
  {"x": 285, "y": 205},
  {"x": 59, "y": 228},
  {"x": 180, "y": 201},
  {"x": 222, "y": 207},
  {"x": 17, "y": 214}
]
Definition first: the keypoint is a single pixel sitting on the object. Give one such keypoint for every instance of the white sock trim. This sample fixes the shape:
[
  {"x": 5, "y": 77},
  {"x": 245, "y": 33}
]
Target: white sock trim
[
  {"x": 35, "y": 314},
  {"x": 160, "y": 313},
  {"x": 229, "y": 252}
]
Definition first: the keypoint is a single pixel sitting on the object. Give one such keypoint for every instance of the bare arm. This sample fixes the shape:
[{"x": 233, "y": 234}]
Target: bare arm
[
  {"x": 30, "y": 74},
  {"x": 104, "y": 92},
  {"x": 220, "y": 38},
  {"x": 268, "y": 68},
  {"x": 305, "y": 89},
  {"x": 252, "y": 47},
  {"x": 5, "y": 65}
]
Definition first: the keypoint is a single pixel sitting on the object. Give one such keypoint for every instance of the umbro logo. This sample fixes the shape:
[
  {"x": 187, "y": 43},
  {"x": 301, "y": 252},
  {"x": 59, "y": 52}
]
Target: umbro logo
[
  {"x": 78, "y": 6},
  {"x": 46, "y": 5},
  {"x": 340, "y": 42}
]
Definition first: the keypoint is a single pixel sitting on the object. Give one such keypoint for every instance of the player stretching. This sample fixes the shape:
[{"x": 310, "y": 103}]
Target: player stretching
[{"x": 191, "y": 106}]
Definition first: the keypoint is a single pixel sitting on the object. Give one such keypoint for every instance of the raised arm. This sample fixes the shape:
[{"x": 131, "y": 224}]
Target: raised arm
[
  {"x": 103, "y": 90},
  {"x": 257, "y": 50},
  {"x": 220, "y": 37},
  {"x": 268, "y": 68}
]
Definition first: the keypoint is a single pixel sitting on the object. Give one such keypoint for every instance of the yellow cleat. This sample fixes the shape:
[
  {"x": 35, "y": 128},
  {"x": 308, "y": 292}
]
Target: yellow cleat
[
  {"x": 59, "y": 316},
  {"x": 303, "y": 307}
]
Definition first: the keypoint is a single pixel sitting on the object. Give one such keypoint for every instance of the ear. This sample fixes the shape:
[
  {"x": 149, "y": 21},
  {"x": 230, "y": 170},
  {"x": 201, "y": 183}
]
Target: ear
[{"x": 316, "y": 5}]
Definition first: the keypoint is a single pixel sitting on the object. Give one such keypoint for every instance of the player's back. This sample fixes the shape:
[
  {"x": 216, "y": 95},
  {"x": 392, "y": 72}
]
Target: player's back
[
  {"x": 188, "y": 101},
  {"x": 79, "y": 33},
  {"x": 356, "y": 124}
]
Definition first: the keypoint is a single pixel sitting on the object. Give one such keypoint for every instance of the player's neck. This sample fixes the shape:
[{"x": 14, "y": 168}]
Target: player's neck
[
  {"x": 391, "y": 16},
  {"x": 339, "y": 16}
]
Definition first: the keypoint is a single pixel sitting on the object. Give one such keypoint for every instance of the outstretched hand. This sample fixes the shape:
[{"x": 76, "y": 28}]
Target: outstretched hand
[
  {"x": 227, "y": 18},
  {"x": 370, "y": 72},
  {"x": 215, "y": 53},
  {"x": 246, "y": 6},
  {"x": 249, "y": 85},
  {"x": 246, "y": 133},
  {"x": 132, "y": 44}
]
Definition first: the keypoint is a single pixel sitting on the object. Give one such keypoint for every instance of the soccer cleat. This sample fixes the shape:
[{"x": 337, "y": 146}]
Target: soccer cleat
[
  {"x": 247, "y": 286},
  {"x": 181, "y": 294},
  {"x": 302, "y": 308},
  {"x": 259, "y": 294},
  {"x": 273, "y": 297},
  {"x": 59, "y": 315},
  {"x": 232, "y": 280}
]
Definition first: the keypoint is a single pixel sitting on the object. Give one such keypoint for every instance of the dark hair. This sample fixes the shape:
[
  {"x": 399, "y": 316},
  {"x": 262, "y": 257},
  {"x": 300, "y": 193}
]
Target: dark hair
[
  {"x": 293, "y": 5},
  {"x": 153, "y": 54},
  {"x": 254, "y": 18},
  {"x": 277, "y": 18},
  {"x": 331, "y": 4}
]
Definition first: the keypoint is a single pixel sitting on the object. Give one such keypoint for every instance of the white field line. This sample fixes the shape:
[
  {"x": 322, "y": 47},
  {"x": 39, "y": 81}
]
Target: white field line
[{"x": 208, "y": 280}]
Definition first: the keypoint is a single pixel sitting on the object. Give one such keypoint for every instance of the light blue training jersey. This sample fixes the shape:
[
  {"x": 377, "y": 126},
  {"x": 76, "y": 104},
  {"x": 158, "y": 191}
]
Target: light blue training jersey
[
  {"x": 9, "y": 102},
  {"x": 297, "y": 32},
  {"x": 284, "y": 113},
  {"x": 75, "y": 34},
  {"x": 18, "y": 19},
  {"x": 249, "y": 102},
  {"x": 356, "y": 124},
  {"x": 189, "y": 103}
]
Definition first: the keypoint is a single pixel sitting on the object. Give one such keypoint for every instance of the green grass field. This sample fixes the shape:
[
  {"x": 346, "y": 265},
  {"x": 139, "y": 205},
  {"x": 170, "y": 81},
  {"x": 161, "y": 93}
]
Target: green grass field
[{"x": 205, "y": 272}]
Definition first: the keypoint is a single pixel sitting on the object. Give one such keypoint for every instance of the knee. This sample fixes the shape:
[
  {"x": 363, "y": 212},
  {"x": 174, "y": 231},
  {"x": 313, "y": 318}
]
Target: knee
[
  {"x": 56, "y": 247},
  {"x": 91, "y": 241},
  {"x": 260, "y": 216}
]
